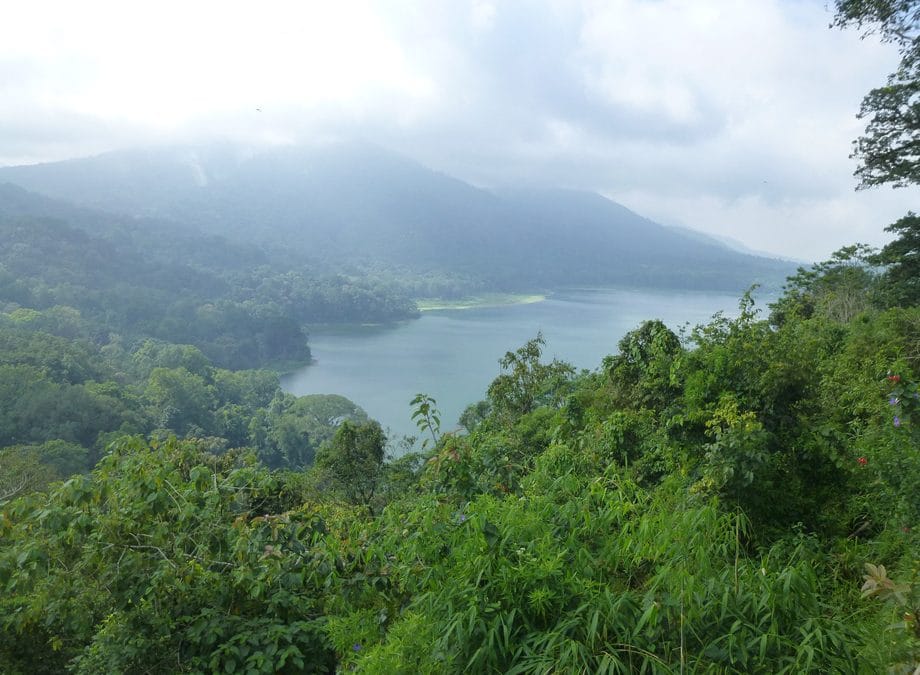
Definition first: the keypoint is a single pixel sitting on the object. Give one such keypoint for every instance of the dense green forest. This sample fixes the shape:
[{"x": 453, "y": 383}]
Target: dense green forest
[
  {"x": 110, "y": 279},
  {"x": 740, "y": 497},
  {"x": 706, "y": 501}
]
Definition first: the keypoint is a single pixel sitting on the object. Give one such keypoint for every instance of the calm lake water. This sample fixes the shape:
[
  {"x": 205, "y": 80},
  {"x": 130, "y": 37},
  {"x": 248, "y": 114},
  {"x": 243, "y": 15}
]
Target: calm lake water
[{"x": 453, "y": 355}]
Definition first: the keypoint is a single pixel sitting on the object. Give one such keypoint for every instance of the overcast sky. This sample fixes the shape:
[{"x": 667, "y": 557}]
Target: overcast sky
[{"x": 732, "y": 117}]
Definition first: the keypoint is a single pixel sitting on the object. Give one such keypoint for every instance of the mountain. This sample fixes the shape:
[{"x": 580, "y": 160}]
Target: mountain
[
  {"x": 122, "y": 279},
  {"x": 160, "y": 241},
  {"x": 733, "y": 244},
  {"x": 359, "y": 205}
]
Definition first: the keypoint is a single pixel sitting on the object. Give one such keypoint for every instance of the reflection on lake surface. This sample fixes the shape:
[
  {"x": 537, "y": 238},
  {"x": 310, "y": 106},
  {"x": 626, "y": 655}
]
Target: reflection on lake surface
[{"x": 453, "y": 354}]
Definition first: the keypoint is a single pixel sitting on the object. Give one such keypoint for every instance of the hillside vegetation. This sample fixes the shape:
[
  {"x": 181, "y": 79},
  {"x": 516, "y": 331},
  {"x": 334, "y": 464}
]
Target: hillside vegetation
[
  {"x": 711, "y": 501},
  {"x": 359, "y": 207},
  {"x": 741, "y": 497},
  {"x": 116, "y": 280}
]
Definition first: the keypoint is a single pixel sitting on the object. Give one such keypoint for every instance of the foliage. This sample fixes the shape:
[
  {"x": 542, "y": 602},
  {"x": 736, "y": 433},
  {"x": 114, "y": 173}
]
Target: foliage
[
  {"x": 165, "y": 560},
  {"x": 838, "y": 289},
  {"x": 585, "y": 573},
  {"x": 353, "y": 460},
  {"x": 703, "y": 502},
  {"x": 179, "y": 399},
  {"x": 642, "y": 368},
  {"x": 697, "y": 505},
  {"x": 474, "y": 414},
  {"x": 22, "y": 471},
  {"x": 888, "y": 150},
  {"x": 525, "y": 383},
  {"x": 902, "y": 258},
  {"x": 84, "y": 396},
  {"x": 292, "y": 429},
  {"x": 903, "y": 599},
  {"x": 427, "y": 417}
]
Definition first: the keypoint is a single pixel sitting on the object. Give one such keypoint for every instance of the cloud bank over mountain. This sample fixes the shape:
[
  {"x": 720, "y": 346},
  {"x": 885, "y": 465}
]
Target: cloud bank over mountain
[{"x": 732, "y": 117}]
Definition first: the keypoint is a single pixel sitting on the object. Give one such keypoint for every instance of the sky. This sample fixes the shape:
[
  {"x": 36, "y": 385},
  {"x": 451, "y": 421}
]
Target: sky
[{"x": 733, "y": 117}]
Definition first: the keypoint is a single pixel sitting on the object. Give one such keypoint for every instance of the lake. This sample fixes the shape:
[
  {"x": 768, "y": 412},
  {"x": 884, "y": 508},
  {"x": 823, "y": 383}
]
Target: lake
[{"x": 453, "y": 354}]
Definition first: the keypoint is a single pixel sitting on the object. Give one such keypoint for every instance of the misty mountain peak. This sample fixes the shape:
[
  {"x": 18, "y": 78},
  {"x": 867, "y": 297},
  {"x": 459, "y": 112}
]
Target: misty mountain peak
[{"x": 358, "y": 201}]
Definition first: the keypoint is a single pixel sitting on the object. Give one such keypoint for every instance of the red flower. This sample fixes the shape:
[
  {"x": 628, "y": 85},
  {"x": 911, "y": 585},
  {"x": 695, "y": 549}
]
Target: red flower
[
  {"x": 894, "y": 378},
  {"x": 862, "y": 461}
]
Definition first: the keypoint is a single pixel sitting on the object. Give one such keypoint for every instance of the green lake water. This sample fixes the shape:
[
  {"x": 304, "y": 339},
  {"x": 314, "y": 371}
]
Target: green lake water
[{"x": 453, "y": 355}]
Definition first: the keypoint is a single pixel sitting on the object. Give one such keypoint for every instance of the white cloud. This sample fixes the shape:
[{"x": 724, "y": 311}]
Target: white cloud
[
  {"x": 732, "y": 116},
  {"x": 174, "y": 62},
  {"x": 482, "y": 15}
]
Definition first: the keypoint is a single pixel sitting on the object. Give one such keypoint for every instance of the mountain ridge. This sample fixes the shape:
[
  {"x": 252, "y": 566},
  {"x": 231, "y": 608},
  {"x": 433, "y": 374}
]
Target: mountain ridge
[{"x": 350, "y": 204}]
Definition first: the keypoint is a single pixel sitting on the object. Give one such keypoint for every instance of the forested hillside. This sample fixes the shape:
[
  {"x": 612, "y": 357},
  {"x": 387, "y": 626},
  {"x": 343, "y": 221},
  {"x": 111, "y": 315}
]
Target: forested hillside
[
  {"x": 705, "y": 502},
  {"x": 116, "y": 279},
  {"x": 738, "y": 497},
  {"x": 360, "y": 207}
]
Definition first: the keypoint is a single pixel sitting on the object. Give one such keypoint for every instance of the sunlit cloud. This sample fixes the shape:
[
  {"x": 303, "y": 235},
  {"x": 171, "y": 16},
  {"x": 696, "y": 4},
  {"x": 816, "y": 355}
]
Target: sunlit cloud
[{"x": 733, "y": 117}]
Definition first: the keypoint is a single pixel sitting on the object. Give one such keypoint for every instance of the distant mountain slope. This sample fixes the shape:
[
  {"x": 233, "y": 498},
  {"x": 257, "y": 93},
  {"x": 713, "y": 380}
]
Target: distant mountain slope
[
  {"x": 611, "y": 242},
  {"x": 138, "y": 277},
  {"x": 56, "y": 243},
  {"x": 356, "y": 204},
  {"x": 161, "y": 241}
]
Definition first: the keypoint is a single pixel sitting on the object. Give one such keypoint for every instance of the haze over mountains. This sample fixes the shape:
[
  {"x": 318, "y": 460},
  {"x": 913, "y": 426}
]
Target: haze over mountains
[{"x": 359, "y": 207}]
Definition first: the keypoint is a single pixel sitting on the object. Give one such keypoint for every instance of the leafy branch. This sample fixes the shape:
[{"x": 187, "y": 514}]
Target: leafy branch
[{"x": 427, "y": 417}]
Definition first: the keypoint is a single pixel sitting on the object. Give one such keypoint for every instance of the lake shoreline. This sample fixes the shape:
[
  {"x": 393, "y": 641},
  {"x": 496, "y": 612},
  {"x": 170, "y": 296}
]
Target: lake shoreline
[
  {"x": 453, "y": 356},
  {"x": 484, "y": 301}
]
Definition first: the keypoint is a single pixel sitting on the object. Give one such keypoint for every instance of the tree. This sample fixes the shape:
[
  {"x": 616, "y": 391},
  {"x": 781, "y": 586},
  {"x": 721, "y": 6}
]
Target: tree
[
  {"x": 180, "y": 400},
  {"x": 474, "y": 414},
  {"x": 643, "y": 366},
  {"x": 838, "y": 288},
  {"x": 295, "y": 428},
  {"x": 525, "y": 383},
  {"x": 157, "y": 354},
  {"x": 22, "y": 472},
  {"x": 894, "y": 19},
  {"x": 889, "y": 151},
  {"x": 353, "y": 460},
  {"x": 902, "y": 256}
]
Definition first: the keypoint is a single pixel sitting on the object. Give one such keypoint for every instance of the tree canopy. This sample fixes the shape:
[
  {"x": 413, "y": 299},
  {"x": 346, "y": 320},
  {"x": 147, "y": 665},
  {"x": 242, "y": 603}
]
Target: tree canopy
[
  {"x": 740, "y": 497},
  {"x": 889, "y": 150}
]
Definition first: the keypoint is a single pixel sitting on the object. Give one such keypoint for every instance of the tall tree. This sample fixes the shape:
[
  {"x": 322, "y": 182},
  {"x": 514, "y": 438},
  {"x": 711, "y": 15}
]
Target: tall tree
[
  {"x": 525, "y": 383},
  {"x": 353, "y": 460},
  {"x": 902, "y": 256},
  {"x": 889, "y": 150}
]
